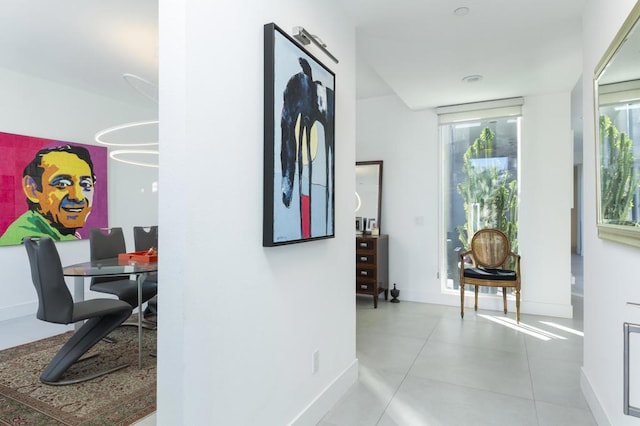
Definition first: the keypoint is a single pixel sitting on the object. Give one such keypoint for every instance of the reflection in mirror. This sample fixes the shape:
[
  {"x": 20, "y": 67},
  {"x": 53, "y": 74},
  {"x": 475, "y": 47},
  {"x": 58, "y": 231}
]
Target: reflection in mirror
[
  {"x": 368, "y": 196},
  {"x": 617, "y": 94}
]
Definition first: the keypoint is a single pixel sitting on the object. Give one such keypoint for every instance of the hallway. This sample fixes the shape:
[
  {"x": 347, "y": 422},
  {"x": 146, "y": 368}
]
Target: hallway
[{"x": 421, "y": 365}]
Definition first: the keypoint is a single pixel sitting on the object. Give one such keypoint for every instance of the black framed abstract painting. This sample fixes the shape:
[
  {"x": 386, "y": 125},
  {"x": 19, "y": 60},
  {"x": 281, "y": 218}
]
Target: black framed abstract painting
[{"x": 299, "y": 130}]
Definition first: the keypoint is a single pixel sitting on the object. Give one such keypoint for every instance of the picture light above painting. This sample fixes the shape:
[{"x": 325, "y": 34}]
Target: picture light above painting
[
  {"x": 51, "y": 188},
  {"x": 299, "y": 130}
]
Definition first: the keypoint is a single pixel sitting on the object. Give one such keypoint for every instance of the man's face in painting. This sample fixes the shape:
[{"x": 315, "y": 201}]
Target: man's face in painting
[{"x": 67, "y": 190}]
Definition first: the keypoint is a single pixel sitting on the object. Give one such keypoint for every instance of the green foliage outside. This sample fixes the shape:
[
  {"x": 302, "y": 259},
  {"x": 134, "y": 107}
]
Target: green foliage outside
[
  {"x": 490, "y": 194},
  {"x": 618, "y": 179}
]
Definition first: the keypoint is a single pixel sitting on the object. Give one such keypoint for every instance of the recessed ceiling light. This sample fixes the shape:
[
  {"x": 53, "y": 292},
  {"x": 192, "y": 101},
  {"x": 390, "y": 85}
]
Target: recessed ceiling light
[
  {"x": 472, "y": 78},
  {"x": 461, "y": 11}
]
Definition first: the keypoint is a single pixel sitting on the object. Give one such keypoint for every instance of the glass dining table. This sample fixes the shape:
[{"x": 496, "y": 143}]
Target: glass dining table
[{"x": 109, "y": 268}]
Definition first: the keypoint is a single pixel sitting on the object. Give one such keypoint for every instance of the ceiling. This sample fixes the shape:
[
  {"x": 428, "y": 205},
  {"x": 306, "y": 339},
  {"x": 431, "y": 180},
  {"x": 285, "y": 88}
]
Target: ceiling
[
  {"x": 86, "y": 44},
  {"x": 422, "y": 50},
  {"x": 419, "y": 50}
]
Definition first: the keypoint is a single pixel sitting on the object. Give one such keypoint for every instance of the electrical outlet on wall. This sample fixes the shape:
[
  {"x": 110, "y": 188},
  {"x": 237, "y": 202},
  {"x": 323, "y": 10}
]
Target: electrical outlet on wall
[{"x": 315, "y": 361}]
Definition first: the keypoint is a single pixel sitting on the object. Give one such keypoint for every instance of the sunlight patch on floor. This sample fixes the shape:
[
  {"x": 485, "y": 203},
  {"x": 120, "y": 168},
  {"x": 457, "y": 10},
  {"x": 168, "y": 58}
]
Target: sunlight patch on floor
[
  {"x": 400, "y": 410},
  {"x": 523, "y": 328},
  {"x": 371, "y": 379},
  {"x": 563, "y": 328}
]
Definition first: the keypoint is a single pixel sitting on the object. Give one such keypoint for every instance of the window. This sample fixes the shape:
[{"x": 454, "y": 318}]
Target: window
[{"x": 479, "y": 178}]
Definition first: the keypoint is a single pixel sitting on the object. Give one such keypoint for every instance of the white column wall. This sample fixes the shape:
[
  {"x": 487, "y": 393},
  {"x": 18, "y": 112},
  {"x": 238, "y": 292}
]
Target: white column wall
[
  {"x": 407, "y": 142},
  {"x": 609, "y": 278},
  {"x": 239, "y": 323},
  {"x": 546, "y": 185}
]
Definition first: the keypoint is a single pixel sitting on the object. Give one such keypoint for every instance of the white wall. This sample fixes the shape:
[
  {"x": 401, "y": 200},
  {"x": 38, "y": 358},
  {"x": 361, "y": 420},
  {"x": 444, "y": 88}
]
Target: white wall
[
  {"x": 609, "y": 268},
  {"x": 34, "y": 107},
  {"x": 407, "y": 142},
  {"x": 544, "y": 229},
  {"x": 241, "y": 322}
]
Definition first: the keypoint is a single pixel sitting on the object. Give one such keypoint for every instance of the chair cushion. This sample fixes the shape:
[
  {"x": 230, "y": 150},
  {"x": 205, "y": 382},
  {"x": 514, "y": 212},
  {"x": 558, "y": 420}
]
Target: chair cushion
[
  {"x": 490, "y": 274},
  {"x": 127, "y": 290},
  {"x": 98, "y": 307}
]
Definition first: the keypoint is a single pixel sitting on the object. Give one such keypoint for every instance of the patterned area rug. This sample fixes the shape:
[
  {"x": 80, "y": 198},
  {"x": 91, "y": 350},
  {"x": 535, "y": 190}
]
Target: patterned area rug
[{"x": 119, "y": 398}]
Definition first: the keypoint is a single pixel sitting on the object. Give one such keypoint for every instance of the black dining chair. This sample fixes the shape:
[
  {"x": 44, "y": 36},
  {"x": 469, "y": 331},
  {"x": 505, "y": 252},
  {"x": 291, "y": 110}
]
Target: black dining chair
[
  {"x": 144, "y": 238},
  {"x": 56, "y": 305},
  {"x": 107, "y": 243}
]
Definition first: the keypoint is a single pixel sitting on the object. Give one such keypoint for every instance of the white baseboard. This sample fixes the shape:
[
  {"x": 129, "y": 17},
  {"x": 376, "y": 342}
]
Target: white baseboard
[
  {"x": 546, "y": 309},
  {"x": 592, "y": 399},
  {"x": 17, "y": 311},
  {"x": 326, "y": 399}
]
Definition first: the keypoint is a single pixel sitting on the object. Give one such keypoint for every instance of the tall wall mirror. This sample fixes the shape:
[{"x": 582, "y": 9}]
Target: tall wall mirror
[
  {"x": 617, "y": 118},
  {"x": 368, "y": 196}
]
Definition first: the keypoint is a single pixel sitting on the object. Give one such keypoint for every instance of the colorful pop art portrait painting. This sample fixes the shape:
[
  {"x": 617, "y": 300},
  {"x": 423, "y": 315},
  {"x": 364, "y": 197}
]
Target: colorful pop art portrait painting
[
  {"x": 299, "y": 143},
  {"x": 51, "y": 188}
]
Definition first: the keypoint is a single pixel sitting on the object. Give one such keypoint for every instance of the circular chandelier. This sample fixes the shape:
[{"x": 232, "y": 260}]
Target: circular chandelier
[
  {"x": 129, "y": 156},
  {"x": 132, "y": 156}
]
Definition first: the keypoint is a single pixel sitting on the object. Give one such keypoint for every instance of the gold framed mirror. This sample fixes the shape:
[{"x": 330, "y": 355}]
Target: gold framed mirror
[
  {"x": 368, "y": 196},
  {"x": 617, "y": 135}
]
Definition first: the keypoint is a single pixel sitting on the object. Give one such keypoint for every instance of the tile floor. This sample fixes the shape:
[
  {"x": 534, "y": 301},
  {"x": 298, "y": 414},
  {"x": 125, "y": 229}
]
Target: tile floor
[{"x": 422, "y": 365}]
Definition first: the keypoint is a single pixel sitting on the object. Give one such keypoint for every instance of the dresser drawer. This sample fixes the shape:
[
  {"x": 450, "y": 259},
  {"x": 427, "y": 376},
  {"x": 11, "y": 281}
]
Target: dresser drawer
[
  {"x": 364, "y": 244},
  {"x": 366, "y": 259},
  {"x": 365, "y": 287},
  {"x": 364, "y": 272}
]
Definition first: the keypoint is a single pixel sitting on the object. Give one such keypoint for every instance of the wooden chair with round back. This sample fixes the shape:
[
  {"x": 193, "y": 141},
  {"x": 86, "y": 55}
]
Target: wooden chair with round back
[{"x": 490, "y": 256}]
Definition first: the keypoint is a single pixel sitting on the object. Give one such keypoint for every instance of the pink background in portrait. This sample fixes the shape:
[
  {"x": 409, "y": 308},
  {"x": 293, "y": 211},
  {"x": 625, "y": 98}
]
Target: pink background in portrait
[{"x": 17, "y": 151}]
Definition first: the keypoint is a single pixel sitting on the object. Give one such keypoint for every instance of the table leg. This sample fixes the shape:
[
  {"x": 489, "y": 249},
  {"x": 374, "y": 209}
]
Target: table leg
[
  {"x": 140, "y": 280},
  {"x": 78, "y": 295}
]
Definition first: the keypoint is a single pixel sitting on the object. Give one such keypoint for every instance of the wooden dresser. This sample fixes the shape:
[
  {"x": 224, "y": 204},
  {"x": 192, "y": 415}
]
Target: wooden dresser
[{"x": 372, "y": 266}]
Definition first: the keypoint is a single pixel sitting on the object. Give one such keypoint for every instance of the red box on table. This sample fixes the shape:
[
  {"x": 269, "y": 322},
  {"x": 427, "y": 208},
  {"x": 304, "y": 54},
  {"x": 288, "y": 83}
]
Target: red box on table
[{"x": 138, "y": 256}]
